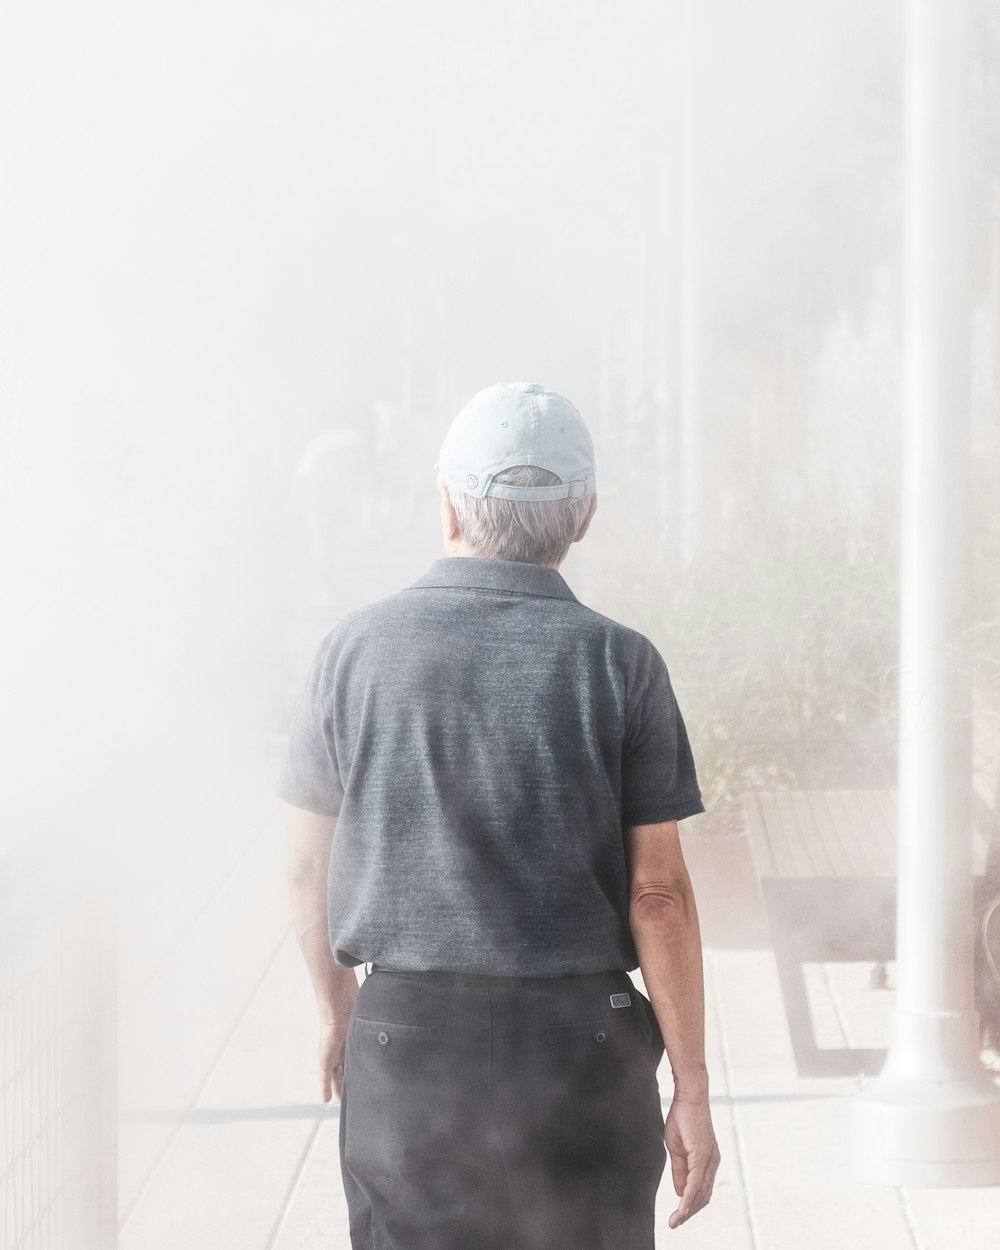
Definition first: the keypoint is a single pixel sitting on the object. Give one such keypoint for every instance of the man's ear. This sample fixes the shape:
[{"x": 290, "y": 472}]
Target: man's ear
[
  {"x": 588, "y": 518},
  {"x": 450, "y": 531}
]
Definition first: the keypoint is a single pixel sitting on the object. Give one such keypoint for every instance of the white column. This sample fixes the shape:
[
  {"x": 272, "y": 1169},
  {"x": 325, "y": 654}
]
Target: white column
[
  {"x": 691, "y": 282},
  {"x": 932, "y": 1116}
]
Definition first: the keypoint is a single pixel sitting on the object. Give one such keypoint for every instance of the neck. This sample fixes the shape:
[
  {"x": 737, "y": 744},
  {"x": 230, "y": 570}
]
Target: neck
[{"x": 459, "y": 549}]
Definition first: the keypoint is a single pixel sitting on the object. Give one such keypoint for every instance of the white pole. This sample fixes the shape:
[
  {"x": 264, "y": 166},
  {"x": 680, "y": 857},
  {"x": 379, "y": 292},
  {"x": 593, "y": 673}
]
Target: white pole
[
  {"x": 932, "y": 1116},
  {"x": 691, "y": 279}
]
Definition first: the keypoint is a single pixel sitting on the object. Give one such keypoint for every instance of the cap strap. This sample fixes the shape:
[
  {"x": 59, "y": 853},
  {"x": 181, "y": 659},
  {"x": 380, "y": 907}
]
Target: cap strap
[{"x": 565, "y": 490}]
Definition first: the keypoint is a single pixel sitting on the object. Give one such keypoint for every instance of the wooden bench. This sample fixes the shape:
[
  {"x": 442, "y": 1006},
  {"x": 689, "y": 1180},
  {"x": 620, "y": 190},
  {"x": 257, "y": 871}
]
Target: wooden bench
[{"x": 827, "y": 862}]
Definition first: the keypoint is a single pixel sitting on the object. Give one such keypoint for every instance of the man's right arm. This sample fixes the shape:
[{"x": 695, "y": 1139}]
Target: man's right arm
[{"x": 664, "y": 923}]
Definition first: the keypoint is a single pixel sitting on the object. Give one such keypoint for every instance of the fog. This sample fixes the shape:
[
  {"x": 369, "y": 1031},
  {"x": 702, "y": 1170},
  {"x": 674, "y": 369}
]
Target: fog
[
  {"x": 230, "y": 236},
  {"x": 255, "y": 258}
]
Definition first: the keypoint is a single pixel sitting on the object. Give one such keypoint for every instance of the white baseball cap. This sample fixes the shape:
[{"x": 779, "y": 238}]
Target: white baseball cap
[{"x": 513, "y": 423}]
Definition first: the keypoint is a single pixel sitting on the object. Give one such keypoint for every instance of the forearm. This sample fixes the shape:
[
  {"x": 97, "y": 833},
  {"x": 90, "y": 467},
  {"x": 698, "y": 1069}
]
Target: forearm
[
  {"x": 668, "y": 943},
  {"x": 335, "y": 987}
]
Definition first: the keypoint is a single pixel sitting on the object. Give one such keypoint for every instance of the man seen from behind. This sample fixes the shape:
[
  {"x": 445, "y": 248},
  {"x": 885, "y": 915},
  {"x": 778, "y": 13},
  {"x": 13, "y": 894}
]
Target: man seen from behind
[{"x": 484, "y": 779}]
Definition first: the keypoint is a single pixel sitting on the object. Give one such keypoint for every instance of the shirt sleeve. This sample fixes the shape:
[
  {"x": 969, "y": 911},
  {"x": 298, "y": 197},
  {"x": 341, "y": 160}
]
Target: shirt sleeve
[
  {"x": 309, "y": 776},
  {"x": 659, "y": 781}
]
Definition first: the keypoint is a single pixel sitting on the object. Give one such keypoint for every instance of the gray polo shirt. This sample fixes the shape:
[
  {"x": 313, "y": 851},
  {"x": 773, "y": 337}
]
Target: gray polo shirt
[{"x": 482, "y": 738}]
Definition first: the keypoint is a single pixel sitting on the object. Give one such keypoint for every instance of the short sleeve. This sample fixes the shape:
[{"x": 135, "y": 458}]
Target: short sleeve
[
  {"x": 309, "y": 776},
  {"x": 659, "y": 781}
]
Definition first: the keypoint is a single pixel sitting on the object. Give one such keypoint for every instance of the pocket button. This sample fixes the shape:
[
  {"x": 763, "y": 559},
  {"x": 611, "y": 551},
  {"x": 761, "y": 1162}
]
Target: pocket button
[
  {"x": 600, "y": 1037},
  {"x": 383, "y": 1038}
]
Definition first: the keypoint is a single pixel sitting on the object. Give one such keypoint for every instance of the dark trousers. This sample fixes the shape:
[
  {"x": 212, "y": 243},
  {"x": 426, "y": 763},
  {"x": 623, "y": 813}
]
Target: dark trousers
[{"x": 501, "y": 1113}]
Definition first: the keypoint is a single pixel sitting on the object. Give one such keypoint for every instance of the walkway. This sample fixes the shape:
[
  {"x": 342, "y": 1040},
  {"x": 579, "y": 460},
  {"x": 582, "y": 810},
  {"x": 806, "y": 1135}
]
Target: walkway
[{"x": 225, "y": 1147}]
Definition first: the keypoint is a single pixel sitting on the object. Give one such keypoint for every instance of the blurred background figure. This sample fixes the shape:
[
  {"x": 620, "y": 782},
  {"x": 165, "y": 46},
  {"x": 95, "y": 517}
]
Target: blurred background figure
[{"x": 355, "y": 494}]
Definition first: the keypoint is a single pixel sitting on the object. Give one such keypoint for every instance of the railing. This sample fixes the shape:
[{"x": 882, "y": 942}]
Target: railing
[{"x": 58, "y": 1116}]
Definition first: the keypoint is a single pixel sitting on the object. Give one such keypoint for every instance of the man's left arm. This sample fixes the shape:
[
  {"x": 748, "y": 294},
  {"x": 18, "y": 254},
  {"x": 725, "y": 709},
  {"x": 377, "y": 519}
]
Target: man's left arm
[{"x": 308, "y": 838}]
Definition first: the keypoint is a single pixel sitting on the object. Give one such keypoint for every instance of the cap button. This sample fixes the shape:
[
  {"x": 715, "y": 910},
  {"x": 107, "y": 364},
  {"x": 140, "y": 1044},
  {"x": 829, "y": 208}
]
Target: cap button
[{"x": 472, "y": 480}]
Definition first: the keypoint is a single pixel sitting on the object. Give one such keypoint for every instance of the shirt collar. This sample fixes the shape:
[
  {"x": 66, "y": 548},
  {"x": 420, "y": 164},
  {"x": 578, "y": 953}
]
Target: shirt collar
[{"x": 510, "y": 575}]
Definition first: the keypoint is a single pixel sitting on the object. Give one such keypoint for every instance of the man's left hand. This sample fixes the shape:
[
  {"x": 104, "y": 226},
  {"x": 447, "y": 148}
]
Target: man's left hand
[{"x": 694, "y": 1154}]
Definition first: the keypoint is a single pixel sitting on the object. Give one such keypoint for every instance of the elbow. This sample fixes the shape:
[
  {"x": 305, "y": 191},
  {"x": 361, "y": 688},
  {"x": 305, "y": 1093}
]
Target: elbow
[{"x": 661, "y": 904}]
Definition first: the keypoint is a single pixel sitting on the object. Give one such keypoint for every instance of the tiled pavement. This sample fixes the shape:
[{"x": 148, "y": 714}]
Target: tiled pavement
[{"x": 224, "y": 1145}]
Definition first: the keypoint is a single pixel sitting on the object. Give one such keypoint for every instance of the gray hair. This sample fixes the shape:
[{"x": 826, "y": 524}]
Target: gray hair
[{"x": 529, "y": 531}]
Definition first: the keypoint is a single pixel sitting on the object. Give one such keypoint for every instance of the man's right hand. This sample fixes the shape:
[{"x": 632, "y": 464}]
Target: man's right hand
[
  {"x": 694, "y": 1154},
  {"x": 332, "y": 1044}
]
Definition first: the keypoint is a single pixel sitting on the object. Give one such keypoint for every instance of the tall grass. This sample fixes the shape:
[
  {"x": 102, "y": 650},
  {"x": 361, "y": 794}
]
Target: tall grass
[{"x": 782, "y": 635}]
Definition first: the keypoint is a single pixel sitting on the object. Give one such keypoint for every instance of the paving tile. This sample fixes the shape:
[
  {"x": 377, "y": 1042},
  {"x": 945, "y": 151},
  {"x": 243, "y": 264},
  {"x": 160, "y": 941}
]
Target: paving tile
[
  {"x": 792, "y": 1131},
  {"x": 220, "y": 1186},
  {"x": 758, "y": 1045},
  {"x": 824, "y": 1007},
  {"x": 798, "y": 1192},
  {"x": 865, "y": 1010},
  {"x": 956, "y": 1219},
  {"x": 175, "y": 1029},
  {"x": 229, "y": 1170},
  {"x": 316, "y": 1214}
]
